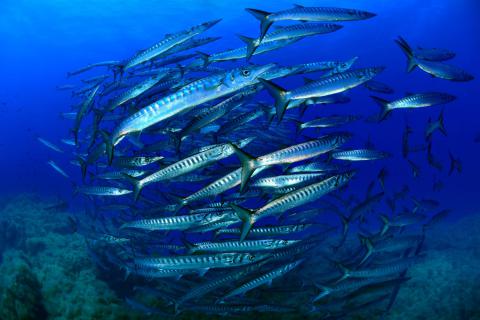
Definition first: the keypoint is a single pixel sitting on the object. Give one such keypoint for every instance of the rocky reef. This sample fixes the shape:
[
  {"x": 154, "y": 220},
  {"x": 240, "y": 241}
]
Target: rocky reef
[{"x": 47, "y": 273}]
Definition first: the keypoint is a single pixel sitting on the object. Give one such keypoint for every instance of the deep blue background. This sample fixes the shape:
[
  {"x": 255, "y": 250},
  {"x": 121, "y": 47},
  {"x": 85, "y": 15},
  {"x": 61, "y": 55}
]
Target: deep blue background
[{"x": 42, "y": 40}]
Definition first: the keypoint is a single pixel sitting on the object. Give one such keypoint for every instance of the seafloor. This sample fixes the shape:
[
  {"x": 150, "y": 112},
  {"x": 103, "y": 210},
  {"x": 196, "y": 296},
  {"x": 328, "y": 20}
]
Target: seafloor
[{"x": 46, "y": 272}]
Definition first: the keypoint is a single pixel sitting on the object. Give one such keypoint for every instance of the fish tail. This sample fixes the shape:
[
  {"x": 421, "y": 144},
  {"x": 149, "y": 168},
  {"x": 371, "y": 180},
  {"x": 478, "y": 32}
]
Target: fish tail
[
  {"x": 452, "y": 163},
  {"x": 369, "y": 247},
  {"x": 262, "y": 16},
  {"x": 345, "y": 272},
  {"x": 324, "y": 291},
  {"x": 280, "y": 96},
  {"x": 251, "y": 45},
  {"x": 385, "y": 110},
  {"x": 108, "y": 146},
  {"x": 246, "y": 216},
  {"x": 441, "y": 125},
  {"x": 137, "y": 185},
  {"x": 386, "y": 224},
  {"x": 205, "y": 57},
  {"x": 191, "y": 248},
  {"x": 407, "y": 50},
  {"x": 83, "y": 166},
  {"x": 248, "y": 165}
]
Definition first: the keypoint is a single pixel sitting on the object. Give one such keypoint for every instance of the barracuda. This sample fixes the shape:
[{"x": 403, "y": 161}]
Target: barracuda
[
  {"x": 243, "y": 246},
  {"x": 360, "y": 155},
  {"x": 289, "y": 32},
  {"x": 263, "y": 279},
  {"x": 186, "y": 165},
  {"x": 194, "y": 94},
  {"x": 301, "y": 13},
  {"x": 418, "y": 100},
  {"x": 290, "y": 154},
  {"x": 336, "y": 83},
  {"x": 290, "y": 200},
  {"x": 268, "y": 231},
  {"x": 168, "y": 43},
  {"x": 202, "y": 262},
  {"x": 174, "y": 223}
]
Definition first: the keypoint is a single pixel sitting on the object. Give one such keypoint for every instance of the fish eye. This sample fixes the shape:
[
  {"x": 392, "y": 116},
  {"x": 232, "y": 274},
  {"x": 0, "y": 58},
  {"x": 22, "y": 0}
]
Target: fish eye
[
  {"x": 251, "y": 257},
  {"x": 343, "y": 65},
  {"x": 245, "y": 72}
]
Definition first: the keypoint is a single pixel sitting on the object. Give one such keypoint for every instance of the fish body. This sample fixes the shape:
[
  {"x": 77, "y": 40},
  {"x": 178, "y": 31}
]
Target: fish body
[
  {"x": 359, "y": 155},
  {"x": 300, "y": 13}
]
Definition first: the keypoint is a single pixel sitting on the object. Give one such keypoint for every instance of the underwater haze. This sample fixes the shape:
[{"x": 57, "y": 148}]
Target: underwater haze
[{"x": 313, "y": 160}]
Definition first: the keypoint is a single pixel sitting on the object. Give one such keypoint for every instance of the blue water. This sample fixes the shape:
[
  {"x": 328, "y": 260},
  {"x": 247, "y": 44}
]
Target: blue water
[{"x": 42, "y": 40}]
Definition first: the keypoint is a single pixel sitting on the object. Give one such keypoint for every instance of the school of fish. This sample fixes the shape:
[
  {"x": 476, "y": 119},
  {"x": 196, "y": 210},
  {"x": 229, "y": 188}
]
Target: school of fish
[{"x": 206, "y": 191}]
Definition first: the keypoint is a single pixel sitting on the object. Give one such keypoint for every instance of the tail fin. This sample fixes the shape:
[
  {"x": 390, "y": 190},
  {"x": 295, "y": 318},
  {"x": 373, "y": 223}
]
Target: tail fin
[
  {"x": 345, "y": 271},
  {"x": 262, "y": 16},
  {"x": 384, "y": 107},
  {"x": 137, "y": 185},
  {"x": 246, "y": 216},
  {"x": 190, "y": 246},
  {"x": 386, "y": 224},
  {"x": 205, "y": 57},
  {"x": 251, "y": 43},
  {"x": 280, "y": 96},
  {"x": 369, "y": 246},
  {"x": 248, "y": 165},
  {"x": 441, "y": 126},
  {"x": 83, "y": 166},
  {"x": 324, "y": 291},
  {"x": 411, "y": 63},
  {"x": 108, "y": 146}
]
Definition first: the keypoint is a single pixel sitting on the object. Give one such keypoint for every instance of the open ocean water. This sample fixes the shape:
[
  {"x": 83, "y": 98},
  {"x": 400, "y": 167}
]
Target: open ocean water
[{"x": 150, "y": 170}]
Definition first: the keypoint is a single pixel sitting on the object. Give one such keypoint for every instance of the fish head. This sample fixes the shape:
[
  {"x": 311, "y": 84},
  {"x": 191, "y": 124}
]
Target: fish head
[{"x": 245, "y": 75}]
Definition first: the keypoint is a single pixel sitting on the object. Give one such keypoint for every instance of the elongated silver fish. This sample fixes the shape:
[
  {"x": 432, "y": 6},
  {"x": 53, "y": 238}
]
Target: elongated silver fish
[
  {"x": 102, "y": 191},
  {"x": 434, "y": 68},
  {"x": 58, "y": 169},
  {"x": 184, "y": 166},
  {"x": 290, "y": 200},
  {"x": 202, "y": 262},
  {"x": 301, "y": 13},
  {"x": 241, "y": 246},
  {"x": 196, "y": 93},
  {"x": 50, "y": 145},
  {"x": 289, "y": 32},
  {"x": 290, "y": 154},
  {"x": 325, "y": 86},
  {"x": 168, "y": 43},
  {"x": 263, "y": 279},
  {"x": 360, "y": 155},
  {"x": 173, "y": 223},
  {"x": 418, "y": 100}
]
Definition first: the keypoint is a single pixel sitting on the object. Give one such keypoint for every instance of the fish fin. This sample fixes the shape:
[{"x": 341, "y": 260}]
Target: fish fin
[
  {"x": 205, "y": 57},
  {"x": 386, "y": 224},
  {"x": 295, "y": 5},
  {"x": 248, "y": 165},
  {"x": 345, "y": 272},
  {"x": 369, "y": 246},
  {"x": 452, "y": 163},
  {"x": 384, "y": 107},
  {"x": 262, "y": 16},
  {"x": 407, "y": 50},
  {"x": 280, "y": 96},
  {"x": 324, "y": 291},
  {"x": 246, "y": 216},
  {"x": 441, "y": 125},
  {"x": 108, "y": 146},
  {"x": 190, "y": 246},
  {"x": 203, "y": 271},
  {"x": 251, "y": 45},
  {"x": 136, "y": 183}
]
